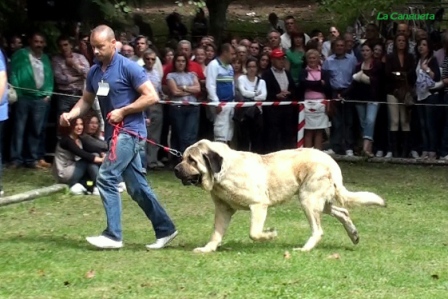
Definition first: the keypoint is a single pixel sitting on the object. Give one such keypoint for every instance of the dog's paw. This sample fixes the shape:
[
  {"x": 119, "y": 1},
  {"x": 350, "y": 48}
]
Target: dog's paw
[{"x": 202, "y": 250}]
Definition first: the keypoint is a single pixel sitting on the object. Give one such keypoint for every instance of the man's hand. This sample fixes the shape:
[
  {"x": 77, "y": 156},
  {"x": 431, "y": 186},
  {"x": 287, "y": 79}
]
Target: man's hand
[
  {"x": 116, "y": 116},
  {"x": 64, "y": 120},
  {"x": 218, "y": 109}
]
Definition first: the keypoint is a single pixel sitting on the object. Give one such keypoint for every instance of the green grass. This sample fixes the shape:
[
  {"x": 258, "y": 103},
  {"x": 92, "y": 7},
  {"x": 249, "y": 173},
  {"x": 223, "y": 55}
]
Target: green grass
[
  {"x": 402, "y": 251},
  {"x": 24, "y": 179}
]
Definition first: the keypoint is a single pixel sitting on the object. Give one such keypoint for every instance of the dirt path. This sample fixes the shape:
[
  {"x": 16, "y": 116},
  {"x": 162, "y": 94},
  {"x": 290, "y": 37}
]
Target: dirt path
[{"x": 250, "y": 10}]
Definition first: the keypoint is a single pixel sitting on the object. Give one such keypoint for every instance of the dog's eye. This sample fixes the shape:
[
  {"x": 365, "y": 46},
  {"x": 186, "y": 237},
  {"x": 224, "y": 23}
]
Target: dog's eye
[{"x": 191, "y": 160}]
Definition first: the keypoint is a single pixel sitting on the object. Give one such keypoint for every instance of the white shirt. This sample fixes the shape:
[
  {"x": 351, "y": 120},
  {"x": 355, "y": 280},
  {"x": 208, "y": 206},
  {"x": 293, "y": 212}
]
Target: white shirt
[
  {"x": 326, "y": 48},
  {"x": 247, "y": 88}
]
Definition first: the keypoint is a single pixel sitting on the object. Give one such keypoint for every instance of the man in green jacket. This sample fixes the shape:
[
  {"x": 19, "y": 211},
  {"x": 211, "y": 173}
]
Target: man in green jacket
[{"x": 32, "y": 75}]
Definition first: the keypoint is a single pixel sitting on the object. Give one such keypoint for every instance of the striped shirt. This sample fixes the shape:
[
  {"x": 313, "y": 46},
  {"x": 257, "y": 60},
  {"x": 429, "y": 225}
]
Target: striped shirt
[{"x": 220, "y": 81}]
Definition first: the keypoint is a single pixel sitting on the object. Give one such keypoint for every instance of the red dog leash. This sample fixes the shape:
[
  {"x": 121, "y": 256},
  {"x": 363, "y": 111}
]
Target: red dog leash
[{"x": 119, "y": 127}]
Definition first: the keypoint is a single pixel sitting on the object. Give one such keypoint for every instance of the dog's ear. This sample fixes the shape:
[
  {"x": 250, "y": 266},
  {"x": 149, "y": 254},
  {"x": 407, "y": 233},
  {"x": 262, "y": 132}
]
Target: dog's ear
[{"x": 213, "y": 161}]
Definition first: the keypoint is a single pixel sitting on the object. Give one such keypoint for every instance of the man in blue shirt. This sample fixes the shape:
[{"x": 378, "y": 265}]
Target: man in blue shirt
[
  {"x": 124, "y": 92},
  {"x": 341, "y": 67},
  {"x": 3, "y": 107}
]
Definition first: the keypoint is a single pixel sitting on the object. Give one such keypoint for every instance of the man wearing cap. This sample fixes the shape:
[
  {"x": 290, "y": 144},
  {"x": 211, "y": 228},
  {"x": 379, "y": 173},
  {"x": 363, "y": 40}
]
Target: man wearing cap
[
  {"x": 279, "y": 120},
  {"x": 220, "y": 86}
]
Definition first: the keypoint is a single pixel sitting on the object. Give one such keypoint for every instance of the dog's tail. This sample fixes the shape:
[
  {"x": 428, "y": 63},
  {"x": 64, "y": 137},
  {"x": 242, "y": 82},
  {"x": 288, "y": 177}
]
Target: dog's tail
[{"x": 361, "y": 198}]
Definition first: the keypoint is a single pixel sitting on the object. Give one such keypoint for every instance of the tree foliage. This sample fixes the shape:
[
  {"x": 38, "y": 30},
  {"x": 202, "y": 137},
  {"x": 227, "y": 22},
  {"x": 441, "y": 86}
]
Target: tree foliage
[{"x": 347, "y": 11}]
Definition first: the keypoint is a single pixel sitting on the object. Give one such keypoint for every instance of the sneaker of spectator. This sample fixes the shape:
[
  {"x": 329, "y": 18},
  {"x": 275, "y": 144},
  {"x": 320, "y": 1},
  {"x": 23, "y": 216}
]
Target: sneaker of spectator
[
  {"x": 349, "y": 153},
  {"x": 379, "y": 154},
  {"x": 78, "y": 189},
  {"x": 414, "y": 155}
]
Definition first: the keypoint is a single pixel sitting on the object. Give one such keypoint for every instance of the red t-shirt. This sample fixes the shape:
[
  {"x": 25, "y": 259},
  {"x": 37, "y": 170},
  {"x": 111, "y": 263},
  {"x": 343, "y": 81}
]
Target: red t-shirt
[{"x": 193, "y": 66}]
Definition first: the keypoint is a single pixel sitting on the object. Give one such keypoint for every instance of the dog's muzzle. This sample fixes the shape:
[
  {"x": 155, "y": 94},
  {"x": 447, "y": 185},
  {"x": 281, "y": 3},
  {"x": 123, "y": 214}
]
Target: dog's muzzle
[
  {"x": 192, "y": 180},
  {"x": 187, "y": 179}
]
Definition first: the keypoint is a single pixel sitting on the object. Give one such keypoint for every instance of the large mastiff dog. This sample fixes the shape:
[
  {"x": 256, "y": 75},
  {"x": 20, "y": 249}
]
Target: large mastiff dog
[{"x": 246, "y": 181}]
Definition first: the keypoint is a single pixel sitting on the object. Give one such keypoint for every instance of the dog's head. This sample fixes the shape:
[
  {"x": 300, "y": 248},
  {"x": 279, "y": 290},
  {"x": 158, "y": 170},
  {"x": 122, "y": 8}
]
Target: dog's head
[{"x": 199, "y": 165}]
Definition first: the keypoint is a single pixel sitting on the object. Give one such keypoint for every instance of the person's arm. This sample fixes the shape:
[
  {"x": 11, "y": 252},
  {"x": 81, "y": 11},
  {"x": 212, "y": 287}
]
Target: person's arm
[
  {"x": 148, "y": 95},
  {"x": 210, "y": 81},
  {"x": 70, "y": 145},
  {"x": 59, "y": 76},
  {"x": 195, "y": 88},
  {"x": 250, "y": 94},
  {"x": 173, "y": 89},
  {"x": 262, "y": 88},
  {"x": 3, "y": 76}
]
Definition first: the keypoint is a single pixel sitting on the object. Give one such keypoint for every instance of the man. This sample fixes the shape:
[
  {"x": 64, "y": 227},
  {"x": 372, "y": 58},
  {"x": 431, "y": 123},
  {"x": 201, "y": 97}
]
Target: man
[
  {"x": 31, "y": 71},
  {"x": 154, "y": 113},
  {"x": 326, "y": 46},
  {"x": 291, "y": 26},
  {"x": 127, "y": 51},
  {"x": 123, "y": 86},
  {"x": 3, "y": 108},
  {"x": 341, "y": 66},
  {"x": 274, "y": 40},
  {"x": 221, "y": 88},
  {"x": 70, "y": 71},
  {"x": 280, "y": 121},
  {"x": 141, "y": 45}
]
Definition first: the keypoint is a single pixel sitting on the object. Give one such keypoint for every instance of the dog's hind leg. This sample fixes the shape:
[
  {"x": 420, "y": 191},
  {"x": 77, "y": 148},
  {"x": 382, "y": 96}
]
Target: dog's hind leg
[
  {"x": 313, "y": 214},
  {"x": 223, "y": 215},
  {"x": 342, "y": 215},
  {"x": 258, "y": 217}
]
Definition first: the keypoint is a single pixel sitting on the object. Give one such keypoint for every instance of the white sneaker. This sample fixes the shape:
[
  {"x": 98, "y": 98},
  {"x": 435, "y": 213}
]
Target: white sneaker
[
  {"x": 160, "y": 164},
  {"x": 444, "y": 158},
  {"x": 379, "y": 154},
  {"x": 121, "y": 187},
  {"x": 96, "y": 191},
  {"x": 389, "y": 155},
  {"x": 104, "y": 242},
  {"x": 414, "y": 155},
  {"x": 162, "y": 242},
  {"x": 349, "y": 153},
  {"x": 78, "y": 189},
  {"x": 2, "y": 192},
  {"x": 329, "y": 151}
]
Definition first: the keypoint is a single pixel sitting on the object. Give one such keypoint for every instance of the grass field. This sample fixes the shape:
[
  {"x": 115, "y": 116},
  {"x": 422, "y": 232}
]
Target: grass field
[{"x": 402, "y": 251}]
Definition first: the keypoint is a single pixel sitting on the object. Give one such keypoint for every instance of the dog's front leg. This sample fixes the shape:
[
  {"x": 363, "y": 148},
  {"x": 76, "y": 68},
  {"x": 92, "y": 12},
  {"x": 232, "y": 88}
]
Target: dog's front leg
[
  {"x": 258, "y": 217},
  {"x": 223, "y": 215}
]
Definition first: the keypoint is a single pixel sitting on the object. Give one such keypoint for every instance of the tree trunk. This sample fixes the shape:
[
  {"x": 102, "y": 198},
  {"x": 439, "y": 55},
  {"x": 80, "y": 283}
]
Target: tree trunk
[{"x": 217, "y": 10}]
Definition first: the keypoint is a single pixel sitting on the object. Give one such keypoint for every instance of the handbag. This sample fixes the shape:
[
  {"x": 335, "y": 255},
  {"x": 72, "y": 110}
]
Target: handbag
[
  {"x": 246, "y": 113},
  {"x": 404, "y": 93}
]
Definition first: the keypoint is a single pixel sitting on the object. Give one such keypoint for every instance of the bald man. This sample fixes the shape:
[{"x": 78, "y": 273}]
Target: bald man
[{"x": 124, "y": 92}]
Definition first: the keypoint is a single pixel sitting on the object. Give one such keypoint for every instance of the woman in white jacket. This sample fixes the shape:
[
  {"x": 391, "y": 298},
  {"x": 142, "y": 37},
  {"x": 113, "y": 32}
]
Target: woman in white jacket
[{"x": 250, "y": 88}]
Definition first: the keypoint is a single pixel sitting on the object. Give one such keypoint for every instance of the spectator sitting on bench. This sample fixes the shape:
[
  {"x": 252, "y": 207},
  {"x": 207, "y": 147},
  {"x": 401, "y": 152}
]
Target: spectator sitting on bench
[{"x": 72, "y": 164}]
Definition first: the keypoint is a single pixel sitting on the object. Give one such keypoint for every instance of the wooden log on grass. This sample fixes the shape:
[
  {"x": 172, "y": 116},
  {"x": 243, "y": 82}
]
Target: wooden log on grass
[
  {"x": 402, "y": 161},
  {"x": 33, "y": 194}
]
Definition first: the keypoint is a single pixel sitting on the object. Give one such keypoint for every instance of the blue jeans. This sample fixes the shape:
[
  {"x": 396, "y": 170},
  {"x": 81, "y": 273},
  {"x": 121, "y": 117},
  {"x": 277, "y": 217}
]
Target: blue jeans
[
  {"x": 428, "y": 123},
  {"x": 1, "y": 150},
  {"x": 367, "y": 117},
  {"x": 185, "y": 120},
  {"x": 83, "y": 170},
  {"x": 129, "y": 166},
  {"x": 29, "y": 118}
]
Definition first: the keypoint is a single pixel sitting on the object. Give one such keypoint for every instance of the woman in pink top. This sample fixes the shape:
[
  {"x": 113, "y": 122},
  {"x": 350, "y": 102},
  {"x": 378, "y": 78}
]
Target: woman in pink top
[{"x": 314, "y": 89}]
